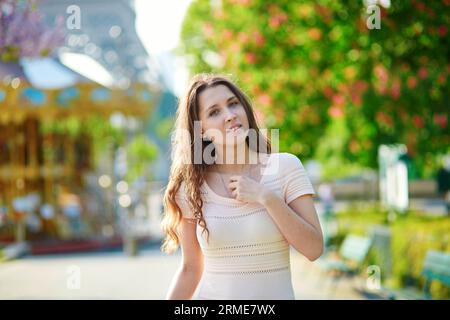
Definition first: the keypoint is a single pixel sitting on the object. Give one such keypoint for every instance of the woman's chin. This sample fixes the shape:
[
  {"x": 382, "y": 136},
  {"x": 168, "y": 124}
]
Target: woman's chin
[
  {"x": 236, "y": 143},
  {"x": 232, "y": 140},
  {"x": 237, "y": 134}
]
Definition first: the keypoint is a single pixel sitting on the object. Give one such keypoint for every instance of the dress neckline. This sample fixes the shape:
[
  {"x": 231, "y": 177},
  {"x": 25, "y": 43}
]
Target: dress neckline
[{"x": 217, "y": 196}]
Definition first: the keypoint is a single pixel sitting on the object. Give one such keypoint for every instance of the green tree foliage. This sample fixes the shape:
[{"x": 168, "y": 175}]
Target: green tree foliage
[
  {"x": 140, "y": 153},
  {"x": 308, "y": 64}
]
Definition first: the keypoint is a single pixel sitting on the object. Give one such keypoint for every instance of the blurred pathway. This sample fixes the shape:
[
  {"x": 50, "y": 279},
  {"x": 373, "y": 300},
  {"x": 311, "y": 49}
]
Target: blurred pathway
[{"x": 112, "y": 275}]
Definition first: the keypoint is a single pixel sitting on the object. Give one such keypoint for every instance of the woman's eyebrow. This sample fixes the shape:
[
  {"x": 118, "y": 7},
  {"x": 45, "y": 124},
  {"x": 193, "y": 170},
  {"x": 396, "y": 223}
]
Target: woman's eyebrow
[{"x": 214, "y": 105}]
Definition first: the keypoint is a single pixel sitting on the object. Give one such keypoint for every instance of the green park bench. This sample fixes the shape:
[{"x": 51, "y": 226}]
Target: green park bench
[
  {"x": 436, "y": 267},
  {"x": 351, "y": 255},
  {"x": 350, "y": 258}
]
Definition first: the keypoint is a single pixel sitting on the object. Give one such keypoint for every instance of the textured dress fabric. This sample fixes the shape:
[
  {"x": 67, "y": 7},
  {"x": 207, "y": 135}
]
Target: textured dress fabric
[{"x": 247, "y": 256}]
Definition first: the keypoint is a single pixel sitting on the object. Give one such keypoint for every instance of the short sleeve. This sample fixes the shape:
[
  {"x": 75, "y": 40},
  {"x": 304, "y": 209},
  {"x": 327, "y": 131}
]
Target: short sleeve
[
  {"x": 182, "y": 202},
  {"x": 296, "y": 181}
]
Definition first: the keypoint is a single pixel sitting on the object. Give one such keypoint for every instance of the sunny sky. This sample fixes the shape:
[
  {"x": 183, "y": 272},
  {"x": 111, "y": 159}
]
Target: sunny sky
[{"x": 158, "y": 24}]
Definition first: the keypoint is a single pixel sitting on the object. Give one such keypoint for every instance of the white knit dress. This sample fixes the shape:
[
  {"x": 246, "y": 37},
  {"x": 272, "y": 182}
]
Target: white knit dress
[{"x": 247, "y": 256}]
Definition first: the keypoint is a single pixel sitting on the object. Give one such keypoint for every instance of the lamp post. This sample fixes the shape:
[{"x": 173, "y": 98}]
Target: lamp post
[
  {"x": 393, "y": 178},
  {"x": 123, "y": 197}
]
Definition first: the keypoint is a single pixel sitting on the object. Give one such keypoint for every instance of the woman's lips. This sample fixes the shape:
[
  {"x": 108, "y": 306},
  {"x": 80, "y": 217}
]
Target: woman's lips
[{"x": 234, "y": 128}]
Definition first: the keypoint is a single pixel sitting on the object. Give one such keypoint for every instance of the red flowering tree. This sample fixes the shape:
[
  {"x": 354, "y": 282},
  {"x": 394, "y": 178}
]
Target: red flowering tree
[{"x": 334, "y": 87}]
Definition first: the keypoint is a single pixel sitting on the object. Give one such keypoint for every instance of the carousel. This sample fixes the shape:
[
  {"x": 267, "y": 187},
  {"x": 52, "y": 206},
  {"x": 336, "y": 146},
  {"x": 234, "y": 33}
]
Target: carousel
[{"x": 48, "y": 154}]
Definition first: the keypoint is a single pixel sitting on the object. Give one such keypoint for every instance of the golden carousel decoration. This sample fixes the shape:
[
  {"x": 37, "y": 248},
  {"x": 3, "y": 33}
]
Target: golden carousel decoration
[
  {"x": 49, "y": 138},
  {"x": 46, "y": 145}
]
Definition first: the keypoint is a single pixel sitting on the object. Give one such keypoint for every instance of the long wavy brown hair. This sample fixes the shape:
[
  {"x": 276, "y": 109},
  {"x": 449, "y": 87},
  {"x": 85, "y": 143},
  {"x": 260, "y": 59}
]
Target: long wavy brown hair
[{"x": 184, "y": 169}]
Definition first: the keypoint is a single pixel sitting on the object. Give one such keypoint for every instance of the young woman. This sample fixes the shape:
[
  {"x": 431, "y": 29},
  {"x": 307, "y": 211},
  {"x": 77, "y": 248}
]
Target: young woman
[{"x": 236, "y": 212}]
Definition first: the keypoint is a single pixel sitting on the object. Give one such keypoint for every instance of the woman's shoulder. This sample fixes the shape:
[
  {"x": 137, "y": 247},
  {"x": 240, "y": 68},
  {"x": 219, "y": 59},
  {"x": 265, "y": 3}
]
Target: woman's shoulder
[
  {"x": 182, "y": 201},
  {"x": 181, "y": 192},
  {"x": 286, "y": 161}
]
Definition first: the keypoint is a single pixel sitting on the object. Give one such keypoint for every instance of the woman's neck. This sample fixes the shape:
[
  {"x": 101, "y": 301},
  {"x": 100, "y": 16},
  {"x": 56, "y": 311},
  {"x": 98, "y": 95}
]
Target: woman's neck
[{"x": 234, "y": 159}]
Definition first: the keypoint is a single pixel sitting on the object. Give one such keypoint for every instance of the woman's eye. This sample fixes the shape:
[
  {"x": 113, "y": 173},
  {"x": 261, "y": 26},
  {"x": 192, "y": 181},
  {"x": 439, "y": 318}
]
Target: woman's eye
[
  {"x": 234, "y": 103},
  {"x": 213, "y": 113}
]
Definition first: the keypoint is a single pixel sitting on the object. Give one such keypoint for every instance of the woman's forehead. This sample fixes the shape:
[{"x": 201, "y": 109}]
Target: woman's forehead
[{"x": 214, "y": 95}]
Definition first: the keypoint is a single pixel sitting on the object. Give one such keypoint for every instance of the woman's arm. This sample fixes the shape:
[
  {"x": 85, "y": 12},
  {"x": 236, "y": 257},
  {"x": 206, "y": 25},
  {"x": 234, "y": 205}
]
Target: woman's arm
[
  {"x": 298, "y": 222},
  {"x": 190, "y": 272}
]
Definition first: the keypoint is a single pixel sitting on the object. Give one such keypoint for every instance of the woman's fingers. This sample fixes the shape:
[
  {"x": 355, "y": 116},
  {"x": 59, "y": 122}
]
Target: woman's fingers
[{"x": 233, "y": 185}]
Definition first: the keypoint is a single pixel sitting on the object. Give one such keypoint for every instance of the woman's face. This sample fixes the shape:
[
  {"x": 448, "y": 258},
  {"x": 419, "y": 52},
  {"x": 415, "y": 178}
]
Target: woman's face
[{"x": 223, "y": 117}]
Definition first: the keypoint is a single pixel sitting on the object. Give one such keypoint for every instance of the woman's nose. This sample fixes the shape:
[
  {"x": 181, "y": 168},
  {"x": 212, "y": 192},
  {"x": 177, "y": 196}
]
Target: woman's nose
[{"x": 230, "y": 115}]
